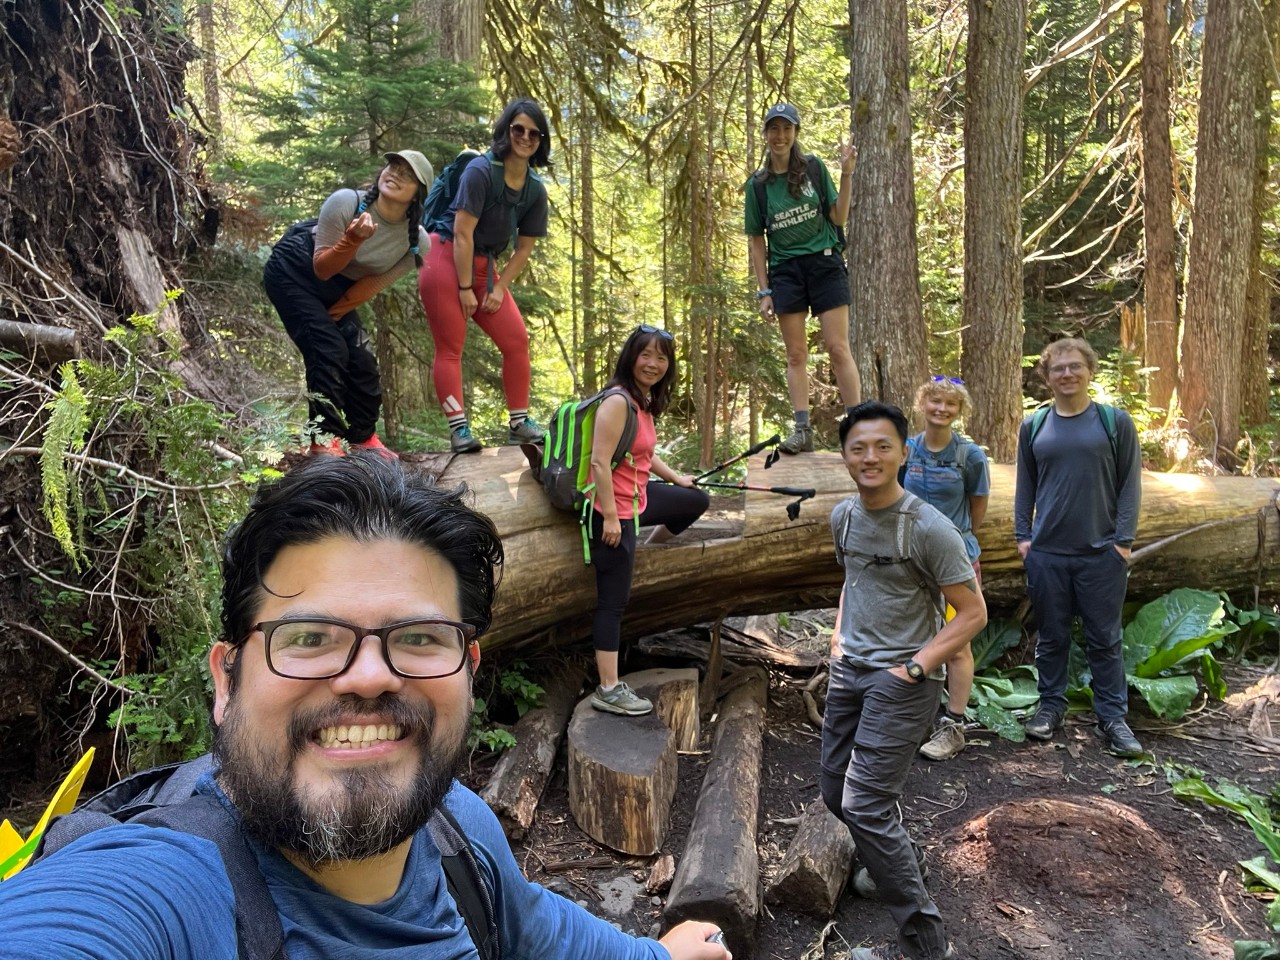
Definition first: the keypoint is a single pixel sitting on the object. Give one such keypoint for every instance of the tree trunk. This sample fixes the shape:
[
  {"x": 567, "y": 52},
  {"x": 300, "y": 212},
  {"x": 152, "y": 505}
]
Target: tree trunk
[
  {"x": 587, "y": 271},
  {"x": 209, "y": 75},
  {"x": 887, "y": 323},
  {"x": 457, "y": 25},
  {"x": 992, "y": 339},
  {"x": 767, "y": 563},
  {"x": 1255, "y": 386},
  {"x": 1222, "y": 215},
  {"x": 1160, "y": 297}
]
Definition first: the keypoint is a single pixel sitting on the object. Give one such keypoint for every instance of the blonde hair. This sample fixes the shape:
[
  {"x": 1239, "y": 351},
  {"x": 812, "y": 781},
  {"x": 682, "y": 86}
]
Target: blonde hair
[
  {"x": 944, "y": 387},
  {"x": 1062, "y": 346}
]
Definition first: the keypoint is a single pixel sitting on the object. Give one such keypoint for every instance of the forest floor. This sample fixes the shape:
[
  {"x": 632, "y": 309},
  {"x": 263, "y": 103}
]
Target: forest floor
[{"x": 1049, "y": 851}]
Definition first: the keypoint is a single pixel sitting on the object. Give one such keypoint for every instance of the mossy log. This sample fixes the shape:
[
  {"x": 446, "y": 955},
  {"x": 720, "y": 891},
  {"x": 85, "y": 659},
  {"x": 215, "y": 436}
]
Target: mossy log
[{"x": 1208, "y": 532}]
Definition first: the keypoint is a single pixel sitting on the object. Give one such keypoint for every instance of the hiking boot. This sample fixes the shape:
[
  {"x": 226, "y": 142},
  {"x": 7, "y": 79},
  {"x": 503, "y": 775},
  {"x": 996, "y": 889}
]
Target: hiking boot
[
  {"x": 461, "y": 441},
  {"x": 374, "y": 445},
  {"x": 946, "y": 742},
  {"x": 333, "y": 448},
  {"x": 1119, "y": 738},
  {"x": 892, "y": 953},
  {"x": 1044, "y": 724},
  {"x": 527, "y": 432},
  {"x": 800, "y": 440},
  {"x": 621, "y": 699},
  {"x": 865, "y": 887}
]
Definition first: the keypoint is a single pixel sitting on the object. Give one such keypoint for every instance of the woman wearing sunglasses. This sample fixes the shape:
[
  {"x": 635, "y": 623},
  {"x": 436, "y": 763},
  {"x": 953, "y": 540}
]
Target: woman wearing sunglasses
[
  {"x": 321, "y": 270},
  {"x": 499, "y": 201},
  {"x": 801, "y": 267},
  {"x": 951, "y": 473},
  {"x": 626, "y": 498}
]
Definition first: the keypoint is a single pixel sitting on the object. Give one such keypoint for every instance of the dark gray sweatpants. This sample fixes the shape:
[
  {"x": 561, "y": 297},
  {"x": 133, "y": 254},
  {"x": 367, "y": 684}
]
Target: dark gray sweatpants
[{"x": 873, "y": 726}]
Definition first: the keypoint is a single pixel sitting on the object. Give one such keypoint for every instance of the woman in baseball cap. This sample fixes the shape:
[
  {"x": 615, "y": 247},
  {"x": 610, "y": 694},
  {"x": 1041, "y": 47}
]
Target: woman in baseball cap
[
  {"x": 321, "y": 270},
  {"x": 793, "y": 203}
]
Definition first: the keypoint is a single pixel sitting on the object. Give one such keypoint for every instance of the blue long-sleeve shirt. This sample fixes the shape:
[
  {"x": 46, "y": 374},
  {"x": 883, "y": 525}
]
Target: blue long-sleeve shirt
[
  {"x": 135, "y": 892},
  {"x": 1072, "y": 496}
]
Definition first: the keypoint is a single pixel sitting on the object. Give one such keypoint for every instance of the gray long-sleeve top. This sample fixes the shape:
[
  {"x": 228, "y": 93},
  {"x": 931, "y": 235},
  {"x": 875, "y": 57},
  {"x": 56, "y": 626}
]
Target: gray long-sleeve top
[{"x": 1069, "y": 481}]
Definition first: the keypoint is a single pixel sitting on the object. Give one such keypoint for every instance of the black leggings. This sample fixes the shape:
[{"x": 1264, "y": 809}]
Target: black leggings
[{"x": 675, "y": 508}]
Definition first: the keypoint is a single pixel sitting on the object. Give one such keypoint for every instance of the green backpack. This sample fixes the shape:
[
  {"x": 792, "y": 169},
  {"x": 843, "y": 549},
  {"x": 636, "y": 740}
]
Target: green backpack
[{"x": 566, "y": 457}]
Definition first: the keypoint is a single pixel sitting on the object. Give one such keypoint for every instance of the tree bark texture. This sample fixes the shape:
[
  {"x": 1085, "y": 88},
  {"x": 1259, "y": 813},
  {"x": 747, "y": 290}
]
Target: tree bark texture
[
  {"x": 211, "y": 84},
  {"x": 769, "y": 564},
  {"x": 1160, "y": 297},
  {"x": 457, "y": 25},
  {"x": 887, "y": 323},
  {"x": 85, "y": 79},
  {"x": 1218, "y": 258},
  {"x": 1255, "y": 384},
  {"x": 992, "y": 338},
  {"x": 590, "y": 374}
]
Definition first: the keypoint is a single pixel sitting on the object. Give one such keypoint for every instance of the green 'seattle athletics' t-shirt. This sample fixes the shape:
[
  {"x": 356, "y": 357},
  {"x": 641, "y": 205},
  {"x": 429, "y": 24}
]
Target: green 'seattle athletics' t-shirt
[{"x": 796, "y": 225}]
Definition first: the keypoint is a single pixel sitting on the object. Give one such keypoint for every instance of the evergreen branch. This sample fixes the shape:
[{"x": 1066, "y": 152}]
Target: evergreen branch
[{"x": 45, "y": 638}]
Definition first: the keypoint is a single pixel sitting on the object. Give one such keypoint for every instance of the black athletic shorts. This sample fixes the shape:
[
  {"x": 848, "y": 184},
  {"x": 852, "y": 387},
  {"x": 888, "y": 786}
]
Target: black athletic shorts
[{"x": 812, "y": 281}]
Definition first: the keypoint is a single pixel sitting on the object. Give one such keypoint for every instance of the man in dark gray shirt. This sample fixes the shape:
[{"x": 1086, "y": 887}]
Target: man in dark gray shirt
[
  {"x": 1075, "y": 517},
  {"x": 900, "y": 558}
]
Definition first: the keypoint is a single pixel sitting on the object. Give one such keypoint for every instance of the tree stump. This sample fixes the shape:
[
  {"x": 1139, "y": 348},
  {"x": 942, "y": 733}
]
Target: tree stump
[
  {"x": 622, "y": 778},
  {"x": 816, "y": 866},
  {"x": 674, "y": 692},
  {"x": 718, "y": 876},
  {"x": 521, "y": 775}
]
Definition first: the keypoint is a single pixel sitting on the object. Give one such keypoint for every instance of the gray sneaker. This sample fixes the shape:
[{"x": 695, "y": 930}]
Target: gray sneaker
[
  {"x": 527, "y": 432},
  {"x": 621, "y": 699},
  {"x": 800, "y": 440},
  {"x": 461, "y": 441},
  {"x": 946, "y": 742},
  {"x": 866, "y": 887}
]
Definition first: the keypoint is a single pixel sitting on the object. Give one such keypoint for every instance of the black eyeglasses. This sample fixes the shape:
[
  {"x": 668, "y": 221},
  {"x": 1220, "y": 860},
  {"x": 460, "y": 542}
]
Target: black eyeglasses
[
  {"x": 956, "y": 380},
  {"x": 521, "y": 131},
  {"x": 666, "y": 335},
  {"x": 321, "y": 649}
]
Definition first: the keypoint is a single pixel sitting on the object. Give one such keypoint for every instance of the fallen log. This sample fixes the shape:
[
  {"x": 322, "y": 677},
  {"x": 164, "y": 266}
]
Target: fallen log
[
  {"x": 717, "y": 878},
  {"x": 816, "y": 865},
  {"x": 771, "y": 564},
  {"x": 521, "y": 775},
  {"x": 39, "y": 341}
]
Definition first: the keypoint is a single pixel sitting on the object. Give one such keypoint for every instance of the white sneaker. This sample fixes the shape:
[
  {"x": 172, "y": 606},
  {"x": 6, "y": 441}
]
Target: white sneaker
[{"x": 946, "y": 742}]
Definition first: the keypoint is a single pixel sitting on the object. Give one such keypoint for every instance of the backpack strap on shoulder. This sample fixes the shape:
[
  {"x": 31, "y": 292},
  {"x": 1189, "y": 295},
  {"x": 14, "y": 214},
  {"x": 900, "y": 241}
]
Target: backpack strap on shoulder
[
  {"x": 259, "y": 935},
  {"x": 466, "y": 882}
]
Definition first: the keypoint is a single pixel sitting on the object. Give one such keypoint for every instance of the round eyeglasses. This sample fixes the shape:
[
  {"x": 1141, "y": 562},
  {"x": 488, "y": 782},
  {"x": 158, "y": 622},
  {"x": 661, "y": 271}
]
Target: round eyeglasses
[{"x": 321, "y": 649}]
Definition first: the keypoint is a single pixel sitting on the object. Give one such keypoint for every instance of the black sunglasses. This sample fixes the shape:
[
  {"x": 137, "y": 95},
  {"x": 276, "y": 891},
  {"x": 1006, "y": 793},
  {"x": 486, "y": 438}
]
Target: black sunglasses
[
  {"x": 521, "y": 131},
  {"x": 664, "y": 334}
]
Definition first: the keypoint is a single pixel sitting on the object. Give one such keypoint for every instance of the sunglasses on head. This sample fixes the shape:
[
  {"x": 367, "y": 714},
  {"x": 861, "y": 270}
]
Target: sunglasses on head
[
  {"x": 956, "y": 380},
  {"x": 523, "y": 132},
  {"x": 664, "y": 334}
]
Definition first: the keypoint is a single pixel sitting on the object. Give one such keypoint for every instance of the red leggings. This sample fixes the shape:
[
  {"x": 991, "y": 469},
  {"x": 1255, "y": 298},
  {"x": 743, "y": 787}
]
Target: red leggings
[{"x": 438, "y": 287}]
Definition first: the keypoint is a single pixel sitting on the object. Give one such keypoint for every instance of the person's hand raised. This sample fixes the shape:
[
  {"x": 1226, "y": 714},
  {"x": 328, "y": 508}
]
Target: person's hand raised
[{"x": 362, "y": 227}]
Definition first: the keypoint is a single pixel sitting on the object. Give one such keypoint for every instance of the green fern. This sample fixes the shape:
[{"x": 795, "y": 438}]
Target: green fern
[{"x": 65, "y": 433}]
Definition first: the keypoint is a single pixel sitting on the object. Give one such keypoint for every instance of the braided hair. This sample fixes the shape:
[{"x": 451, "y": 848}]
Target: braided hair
[{"x": 414, "y": 215}]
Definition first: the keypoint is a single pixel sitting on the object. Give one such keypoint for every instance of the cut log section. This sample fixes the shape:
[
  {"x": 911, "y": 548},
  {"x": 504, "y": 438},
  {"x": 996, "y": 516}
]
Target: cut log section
[
  {"x": 547, "y": 595},
  {"x": 622, "y": 778},
  {"x": 38, "y": 341},
  {"x": 816, "y": 866},
  {"x": 521, "y": 775},
  {"x": 718, "y": 876},
  {"x": 674, "y": 692}
]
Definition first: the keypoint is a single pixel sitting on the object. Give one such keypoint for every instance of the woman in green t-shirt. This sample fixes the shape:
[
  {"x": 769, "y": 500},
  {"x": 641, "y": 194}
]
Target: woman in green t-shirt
[{"x": 802, "y": 268}]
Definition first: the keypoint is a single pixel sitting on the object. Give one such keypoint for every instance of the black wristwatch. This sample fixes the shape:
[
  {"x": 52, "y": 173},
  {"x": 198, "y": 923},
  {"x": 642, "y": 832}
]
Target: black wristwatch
[
  {"x": 766, "y": 292},
  {"x": 915, "y": 671}
]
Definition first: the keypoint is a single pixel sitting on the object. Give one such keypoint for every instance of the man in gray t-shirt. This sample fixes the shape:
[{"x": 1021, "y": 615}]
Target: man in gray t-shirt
[
  {"x": 1075, "y": 516},
  {"x": 902, "y": 559}
]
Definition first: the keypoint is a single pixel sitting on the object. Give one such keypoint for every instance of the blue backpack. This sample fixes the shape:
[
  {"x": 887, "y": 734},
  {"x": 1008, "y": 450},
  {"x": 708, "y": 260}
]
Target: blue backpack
[{"x": 437, "y": 209}]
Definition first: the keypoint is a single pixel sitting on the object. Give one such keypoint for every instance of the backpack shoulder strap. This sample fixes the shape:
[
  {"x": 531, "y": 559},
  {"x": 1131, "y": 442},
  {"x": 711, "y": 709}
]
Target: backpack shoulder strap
[
  {"x": 819, "y": 182},
  {"x": 908, "y": 513},
  {"x": 259, "y": 935},
  {"x": 1107, "y": 414},
  {"x": 629, "y": 429},
  {"x": 466, "y": 882},
  {"x": 762, "y": 197},
  {"x": 1038, "y": 417}
]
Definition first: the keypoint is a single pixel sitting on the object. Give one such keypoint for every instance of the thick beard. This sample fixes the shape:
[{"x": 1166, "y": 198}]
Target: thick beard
[{"x": 366, "y": 814}]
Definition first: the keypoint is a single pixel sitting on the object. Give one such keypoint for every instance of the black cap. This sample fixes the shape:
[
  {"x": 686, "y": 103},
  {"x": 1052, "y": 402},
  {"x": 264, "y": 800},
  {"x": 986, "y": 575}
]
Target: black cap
[{"x": 784, "y": 110}]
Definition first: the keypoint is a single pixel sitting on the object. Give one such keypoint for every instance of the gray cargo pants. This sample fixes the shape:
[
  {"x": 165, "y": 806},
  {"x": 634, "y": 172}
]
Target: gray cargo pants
[{"x": 873, "y": 726}]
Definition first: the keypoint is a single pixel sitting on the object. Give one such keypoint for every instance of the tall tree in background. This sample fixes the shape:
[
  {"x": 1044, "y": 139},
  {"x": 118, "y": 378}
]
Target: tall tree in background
[
  {"x": 992, "y": 338},
  {"x": 1159, "y": 280},
  {"x": 1254, "y": 384},
  {"x": 456, "y": 25},
  {"x": 211, "y": 84},
  {"x": 1221, "y": 219},
  {"x": 888, "y": 333}
]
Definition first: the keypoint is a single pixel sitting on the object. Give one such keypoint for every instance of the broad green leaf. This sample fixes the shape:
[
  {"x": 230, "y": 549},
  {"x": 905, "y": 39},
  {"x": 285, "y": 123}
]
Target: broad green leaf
[
  {"x": 1002, "y": 722},
  {"x": 1009, "y": 693},
  {"x": 1168, "y": 697},
  {"x": 1259, "y": 949},
  {"x": 1211, "y": 675},
  {"x": 1171, "y": 628},
  {"x": 995, "y": 638},
  {"x": 1263, "y": 874}
]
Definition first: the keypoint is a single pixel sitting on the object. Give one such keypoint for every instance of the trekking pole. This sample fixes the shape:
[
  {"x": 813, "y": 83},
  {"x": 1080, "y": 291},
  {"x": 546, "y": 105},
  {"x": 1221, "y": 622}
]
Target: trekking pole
[
  {"x": 749, "y": 452},
  {"x": 793, "y": 509}
]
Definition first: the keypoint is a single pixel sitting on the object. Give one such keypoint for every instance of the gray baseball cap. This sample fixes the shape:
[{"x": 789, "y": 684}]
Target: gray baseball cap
[
  {"x": 784, "y": 110},
  {"x": 420, "y": 165}
]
